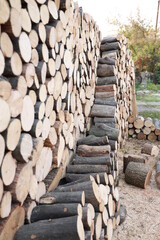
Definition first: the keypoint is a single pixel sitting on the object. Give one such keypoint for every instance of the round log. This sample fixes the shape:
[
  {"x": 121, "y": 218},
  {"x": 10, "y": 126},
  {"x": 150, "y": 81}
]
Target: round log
[{"x": 138, "y": 174}]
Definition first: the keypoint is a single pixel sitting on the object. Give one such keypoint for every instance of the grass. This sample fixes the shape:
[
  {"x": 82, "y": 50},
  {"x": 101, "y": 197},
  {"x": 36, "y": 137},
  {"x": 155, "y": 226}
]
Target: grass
[
  {"x": 148, "y": 98},
  {"x": 150, "y": 114},
  {"x": 150, "y": 86}
]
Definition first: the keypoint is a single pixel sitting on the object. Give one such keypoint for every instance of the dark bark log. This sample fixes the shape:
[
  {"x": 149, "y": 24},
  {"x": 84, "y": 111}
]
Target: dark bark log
[
  {"x": 110, "y": 46},
  {"x": 105, "y": 70},
  {"x": 63, "y": 197},
  {"x": 44, "y": 212},
  {"x": 106, "y": 80},
  {"x": 104, "y": 130},
  {"x": 132, "y": 158},
  {"x": 103, "y": 160},
  {"x": 103, "y": 111},
  {"x": 110, "y": 39},
  {"x": 93, "y": 151},
  {"x": 106, "y": 101},
  {"x": 138, "y": 174},
  {"x": 91, "y": 192},
  {"x": 157, "y": 177},
  {"x": 107, "y": 60},
  {"x": 82, "y": 169},
  {"x": 70, "y": 227},
  {"x": 93, "y": 140}
]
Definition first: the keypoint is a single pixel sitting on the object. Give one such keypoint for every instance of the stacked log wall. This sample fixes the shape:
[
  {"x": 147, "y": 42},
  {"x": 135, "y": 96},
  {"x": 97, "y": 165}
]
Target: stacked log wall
[{"x": 48, "y": 62}]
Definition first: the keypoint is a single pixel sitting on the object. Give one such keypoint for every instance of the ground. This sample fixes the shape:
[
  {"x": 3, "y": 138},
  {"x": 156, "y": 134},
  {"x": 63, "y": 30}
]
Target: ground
[{"x": 143, "y": 205}]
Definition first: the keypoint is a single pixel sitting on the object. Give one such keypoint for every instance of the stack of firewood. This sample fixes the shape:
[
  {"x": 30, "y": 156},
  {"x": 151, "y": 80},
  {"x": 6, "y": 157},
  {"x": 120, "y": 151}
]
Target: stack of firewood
[
  {"x": 87, "y": 206},
  {"x": 48, "y": 62},
  {"x": 115, "y": 91},
  {"x": 143, "y": 129}
]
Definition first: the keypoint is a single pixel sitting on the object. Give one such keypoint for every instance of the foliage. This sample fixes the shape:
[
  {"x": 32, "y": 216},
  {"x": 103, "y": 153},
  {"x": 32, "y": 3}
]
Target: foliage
[
  {"x": 148, "y": 98},
  {"x": 145, "y": 47}
]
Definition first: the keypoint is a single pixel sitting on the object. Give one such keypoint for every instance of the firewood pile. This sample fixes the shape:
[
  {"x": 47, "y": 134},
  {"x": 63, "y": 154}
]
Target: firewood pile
[
  {"x": 115, "y": 97},
  {"x": 87, "y": 206},
  {"x": 143, "y": 129},
  {"x": 48, "y": 61}
]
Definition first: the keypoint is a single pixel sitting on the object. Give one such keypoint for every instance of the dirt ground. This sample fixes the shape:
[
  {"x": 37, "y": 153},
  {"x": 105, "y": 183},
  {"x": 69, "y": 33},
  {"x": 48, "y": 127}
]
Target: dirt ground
[{"x": 143, "y": 205}]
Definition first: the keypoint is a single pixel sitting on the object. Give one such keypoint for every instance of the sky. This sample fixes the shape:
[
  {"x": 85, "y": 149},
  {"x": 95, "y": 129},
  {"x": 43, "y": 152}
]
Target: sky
[{"x": 101, "y": 10}]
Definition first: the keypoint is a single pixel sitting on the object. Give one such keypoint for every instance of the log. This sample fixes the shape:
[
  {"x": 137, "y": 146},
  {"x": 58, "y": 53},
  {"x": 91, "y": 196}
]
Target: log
[
  {"x": 103, "y": 111},
  {"x": 27, "y": 114},
  {"x": 72, "y": 229},
  {"x": 152, "y": 136},
  {"x": 91, "y": 189},
  {"x": 157, "y": 176},
  {"x": 5, "y": 88},
  {"x": 122, "y": 213},
  {"x": 20, "y": 186},
  {"x": 22, "y": 153},
  {"x": 79, "y": 178},
  {"x": 139, "y": 122},
  {"x": 104, "y": 130},
  {"x": 14, "y": 129},
  {"x": 105, "y": 70},
  {"x": 148, "y": 122},
  {"x": 100, "y": 160},
  {"x": 8, "y": 169},
  {"x": 62, "y": 210},
  {"x": 2, "y": 148},
  {"x": 4, "y": 11},
  {"x": 63, "y": 197},
  {"x": 9, "y": 227},
  {"x": 93, "y": 151},
  {"x": 6, "y": 204},
  {"x": 43, "y": 164},
  {"x": 138, "y": 174},
  {"x": 106, "y": 88},
  {"x": 110, "y": 46},
  {"x": 106, "y": 80},
  {"x": 127, "y": 158},
  {"x": 82, "y": 169},
  {"x": 107, "y": 60},
  {"x": 93, "y": 141},
  {"x": 4, "y": 115},
  {"x": 150, "y": 149},
  {"x": 88, "y": 216},
  {"x": 98, "y": 225},
  {"x": 106, "y": 101}
]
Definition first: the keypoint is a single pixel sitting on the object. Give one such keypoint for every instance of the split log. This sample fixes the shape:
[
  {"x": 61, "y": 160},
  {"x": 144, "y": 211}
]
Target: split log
[
  {"x": 93, "y": 151},
  {"x": 138, "y": 174},
  {"x": 2, "y": 148},
  {"x": 63, "y": 197},
  {"x": 93, "y": 140},
  {"x": 4, "y": 12},
  {"x": 27, "y": 114},
  {"x": 9, "y": 227},
  {"x": 132, "y": 158},
  {"x": 150, "y": 149}
]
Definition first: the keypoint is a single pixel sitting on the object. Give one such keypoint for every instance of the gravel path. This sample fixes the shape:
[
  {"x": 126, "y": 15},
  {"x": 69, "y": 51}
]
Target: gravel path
[{"x": 143, "y": 206}]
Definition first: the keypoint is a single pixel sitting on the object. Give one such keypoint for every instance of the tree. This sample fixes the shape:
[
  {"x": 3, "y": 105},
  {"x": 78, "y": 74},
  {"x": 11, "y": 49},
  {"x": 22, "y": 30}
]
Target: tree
[{"x": 145, "y": 47}]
